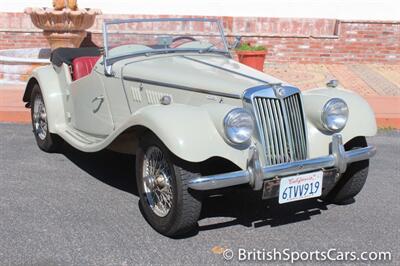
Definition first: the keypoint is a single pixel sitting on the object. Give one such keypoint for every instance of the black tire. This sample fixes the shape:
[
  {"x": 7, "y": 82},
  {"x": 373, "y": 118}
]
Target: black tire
[
  {"x": 186, "y": 204},
  {"x": 48, "y": 142},
  {"x": 352, "y": 181}
]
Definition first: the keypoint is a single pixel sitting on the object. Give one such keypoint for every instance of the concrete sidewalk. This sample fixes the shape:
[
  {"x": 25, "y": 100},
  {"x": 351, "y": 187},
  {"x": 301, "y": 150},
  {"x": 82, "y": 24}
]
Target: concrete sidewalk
[{"x": 378, "y": 84}]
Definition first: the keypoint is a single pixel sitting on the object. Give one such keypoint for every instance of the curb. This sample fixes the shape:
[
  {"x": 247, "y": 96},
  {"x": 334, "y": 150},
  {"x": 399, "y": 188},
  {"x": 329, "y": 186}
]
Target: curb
[
  {"x": 12, "y": 109},
  {"x": 387, "y": 110},
  {"x": 19, "y": 117},
  {"x": 388, "y": 122}
]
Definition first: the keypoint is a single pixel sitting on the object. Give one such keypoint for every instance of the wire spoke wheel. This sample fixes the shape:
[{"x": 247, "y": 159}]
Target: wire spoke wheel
[
  {"x": 157, "y": 181},
  {"x": 39, "y": 117},
  {"x": 46, "y": 141},
  {"x": 162, "y": 181}
]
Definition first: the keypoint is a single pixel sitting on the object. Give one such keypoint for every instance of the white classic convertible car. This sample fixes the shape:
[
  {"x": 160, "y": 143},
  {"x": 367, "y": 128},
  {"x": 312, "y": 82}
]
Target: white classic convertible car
[{"x": 169, "y": 91}]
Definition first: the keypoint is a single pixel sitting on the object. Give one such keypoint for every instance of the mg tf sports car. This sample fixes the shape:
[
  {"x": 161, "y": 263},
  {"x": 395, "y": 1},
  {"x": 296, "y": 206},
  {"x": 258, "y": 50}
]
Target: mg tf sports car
[{"x": 168, "y": 91}]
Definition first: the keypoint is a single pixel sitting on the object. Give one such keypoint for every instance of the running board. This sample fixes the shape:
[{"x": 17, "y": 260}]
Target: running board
[
  {"x": 82, "y": 137},
  {"x": 79, "y": 139}
]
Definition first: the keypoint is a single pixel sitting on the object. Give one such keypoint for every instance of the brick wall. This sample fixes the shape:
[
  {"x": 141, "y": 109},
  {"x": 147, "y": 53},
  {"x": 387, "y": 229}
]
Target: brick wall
[{"x": 286, "y": 39}]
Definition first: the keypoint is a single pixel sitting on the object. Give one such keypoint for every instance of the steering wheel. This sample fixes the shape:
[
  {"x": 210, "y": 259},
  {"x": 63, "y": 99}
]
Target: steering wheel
[{"x": 185, "y": 39}]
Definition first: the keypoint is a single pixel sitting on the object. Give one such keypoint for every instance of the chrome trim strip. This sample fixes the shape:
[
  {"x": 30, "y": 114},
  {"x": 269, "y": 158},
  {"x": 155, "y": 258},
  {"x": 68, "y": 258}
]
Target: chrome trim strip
[
  {"x": 288, "y": 127},
  {"x": 220, "y": 181},
  {"x": 338, "y": 159},
  {"x": 274, "y": 132},
  {"x": 296, "y": 126},
  {"x": 221, "y": 30},
  {"x": 305, "y": 126},
  {"x": 359, "y": 154},
  {"x": 302, "y": 122},
  {"x": 267, "y": 129},
  {"x": 269, "y": 91},
  {"x": 181, "y": 87},
  {"x": 107, "y": 68},
  {"x": 227, "y": 70},
  {"x": 283, "y": 131}
]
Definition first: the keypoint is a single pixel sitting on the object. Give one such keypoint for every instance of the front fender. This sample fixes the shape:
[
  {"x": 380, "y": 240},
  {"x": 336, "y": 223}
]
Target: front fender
[
  {"x": 48, "y": 80},
  {"x": 361, "y": 121},
  {"x": 188, "y": 131}
]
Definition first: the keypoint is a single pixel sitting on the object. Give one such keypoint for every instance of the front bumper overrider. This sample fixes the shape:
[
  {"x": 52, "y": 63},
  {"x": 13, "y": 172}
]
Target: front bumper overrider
[{"x": 255, "y": 174}]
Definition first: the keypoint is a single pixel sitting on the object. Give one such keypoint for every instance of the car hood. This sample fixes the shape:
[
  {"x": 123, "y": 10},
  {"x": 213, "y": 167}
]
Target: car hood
[{"x": 213, "y": 73}]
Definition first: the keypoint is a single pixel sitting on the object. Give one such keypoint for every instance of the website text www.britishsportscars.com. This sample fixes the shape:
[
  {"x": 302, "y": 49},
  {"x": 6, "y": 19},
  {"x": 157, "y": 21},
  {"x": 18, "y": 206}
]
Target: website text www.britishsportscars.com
[{"x": 292, "y": 256}]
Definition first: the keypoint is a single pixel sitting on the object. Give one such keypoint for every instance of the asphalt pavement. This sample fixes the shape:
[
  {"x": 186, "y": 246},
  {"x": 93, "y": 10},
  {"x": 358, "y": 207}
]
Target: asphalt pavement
[{"x": 73, "y": 208}]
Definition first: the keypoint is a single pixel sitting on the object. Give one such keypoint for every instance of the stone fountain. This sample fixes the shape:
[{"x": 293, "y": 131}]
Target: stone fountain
[{"x": 64, "y": 25}]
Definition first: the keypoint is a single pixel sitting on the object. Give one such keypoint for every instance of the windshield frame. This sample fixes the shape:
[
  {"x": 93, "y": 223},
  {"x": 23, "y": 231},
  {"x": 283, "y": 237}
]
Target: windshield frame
[{"x": 108, "y": 62}]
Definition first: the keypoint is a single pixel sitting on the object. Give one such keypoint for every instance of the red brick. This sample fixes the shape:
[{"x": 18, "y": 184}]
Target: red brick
[{"x": 357, "y": 41}]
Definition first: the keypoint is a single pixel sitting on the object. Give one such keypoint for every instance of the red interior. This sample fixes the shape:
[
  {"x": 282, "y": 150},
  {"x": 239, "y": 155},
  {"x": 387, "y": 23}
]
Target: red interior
[{"x": 82, "y": 66}]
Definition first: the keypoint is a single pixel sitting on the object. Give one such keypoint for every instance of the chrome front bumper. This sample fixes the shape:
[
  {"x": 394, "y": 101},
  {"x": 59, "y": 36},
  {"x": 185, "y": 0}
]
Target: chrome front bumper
[{"x": 255, "y": 175}]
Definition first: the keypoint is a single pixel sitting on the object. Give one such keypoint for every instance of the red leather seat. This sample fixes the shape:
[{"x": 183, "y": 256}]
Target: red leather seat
[{"x": 82, "y": 66}]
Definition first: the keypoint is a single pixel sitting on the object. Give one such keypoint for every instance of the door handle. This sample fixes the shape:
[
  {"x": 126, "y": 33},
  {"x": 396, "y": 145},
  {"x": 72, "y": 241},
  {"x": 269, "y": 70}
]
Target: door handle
[{"x": 98, "y": 98}]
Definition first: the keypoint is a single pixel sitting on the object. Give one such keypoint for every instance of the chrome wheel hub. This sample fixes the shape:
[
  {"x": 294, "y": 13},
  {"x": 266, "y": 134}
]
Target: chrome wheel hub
[
  {"x": 157, "y": 181},
  {"x": 39, "y": 118}
]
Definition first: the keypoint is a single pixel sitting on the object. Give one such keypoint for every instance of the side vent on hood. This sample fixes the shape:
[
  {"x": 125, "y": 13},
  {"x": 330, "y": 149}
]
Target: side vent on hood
[
  {"x": 154, "y": 97},
  {"x": 136, "y": 94}
]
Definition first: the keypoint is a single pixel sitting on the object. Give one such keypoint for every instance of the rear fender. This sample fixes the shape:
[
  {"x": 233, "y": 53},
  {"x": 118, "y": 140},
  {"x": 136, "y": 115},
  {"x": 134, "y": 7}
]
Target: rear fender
[{"x": 48, "y": 80}]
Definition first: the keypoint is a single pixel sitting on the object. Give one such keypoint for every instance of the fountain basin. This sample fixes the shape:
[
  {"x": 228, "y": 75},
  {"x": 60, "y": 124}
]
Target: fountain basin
[
  {"x": 16, "y": 65},
  {"x": 63, "y": 28}
]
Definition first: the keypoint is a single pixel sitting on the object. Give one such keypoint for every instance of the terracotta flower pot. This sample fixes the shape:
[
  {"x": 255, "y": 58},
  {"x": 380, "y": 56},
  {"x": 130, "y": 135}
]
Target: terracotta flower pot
[{"x": 254, "y": 59}]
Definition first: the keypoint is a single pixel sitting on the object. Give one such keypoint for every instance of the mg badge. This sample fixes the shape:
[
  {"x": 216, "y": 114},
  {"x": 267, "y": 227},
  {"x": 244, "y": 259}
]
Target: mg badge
[{"x": 279, "y": 91}]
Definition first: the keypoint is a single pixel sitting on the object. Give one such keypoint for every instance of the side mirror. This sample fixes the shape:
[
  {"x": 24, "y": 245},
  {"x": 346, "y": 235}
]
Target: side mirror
[{"x": 236, "y": 42}]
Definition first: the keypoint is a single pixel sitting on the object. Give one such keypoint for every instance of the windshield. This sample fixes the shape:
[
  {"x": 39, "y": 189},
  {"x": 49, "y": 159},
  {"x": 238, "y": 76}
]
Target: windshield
[{"x": 125, "y": 38}]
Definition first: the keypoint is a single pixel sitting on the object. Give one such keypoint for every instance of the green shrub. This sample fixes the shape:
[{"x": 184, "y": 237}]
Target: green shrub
[{"x": 249, "y": 47}]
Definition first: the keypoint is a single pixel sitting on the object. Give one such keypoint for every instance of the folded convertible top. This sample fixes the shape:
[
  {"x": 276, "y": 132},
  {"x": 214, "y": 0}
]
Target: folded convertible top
[{"x": 66, "y": 55}]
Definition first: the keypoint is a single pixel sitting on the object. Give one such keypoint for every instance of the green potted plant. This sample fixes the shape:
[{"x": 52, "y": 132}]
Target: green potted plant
[{"x": 251, "y": 55}]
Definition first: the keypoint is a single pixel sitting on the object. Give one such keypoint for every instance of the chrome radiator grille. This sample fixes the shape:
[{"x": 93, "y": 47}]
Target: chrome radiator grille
[{"x": 282, "y": 128}]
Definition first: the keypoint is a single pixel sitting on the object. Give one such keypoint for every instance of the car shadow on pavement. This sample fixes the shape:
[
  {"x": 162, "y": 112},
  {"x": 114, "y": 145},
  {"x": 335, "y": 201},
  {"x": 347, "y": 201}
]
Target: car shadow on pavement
[
  {"x": 112, "y": 168},
  {"x": 251, "y": 211},
  {"x": 233, "y": 207}
]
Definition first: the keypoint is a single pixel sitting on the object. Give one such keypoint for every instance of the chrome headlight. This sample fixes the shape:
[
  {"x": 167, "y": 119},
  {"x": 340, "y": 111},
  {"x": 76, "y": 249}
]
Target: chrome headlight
[
  {"x": 334, "y": 114},
  {"x": 238, "y": 126}
]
